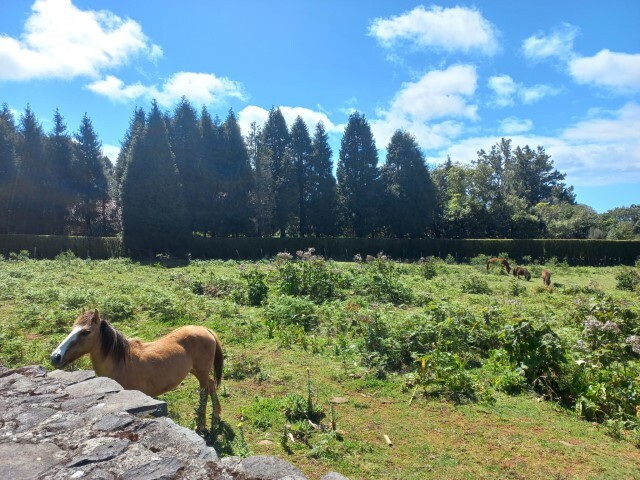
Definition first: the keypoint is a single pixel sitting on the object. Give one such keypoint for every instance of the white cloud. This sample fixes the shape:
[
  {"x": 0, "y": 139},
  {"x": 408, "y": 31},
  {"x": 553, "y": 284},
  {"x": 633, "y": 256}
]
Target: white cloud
[
  {"x": 513, "y": 125},
  {"x": 557, "y": 44},
  {"x": 199, "y": 88},
  {"x": 603, "y": 150},
  {"x": 614, "y": 70},
  {"x": 62, "y": 41},
  {"x": 506, "y": 90},
  {"x": 439, "y": 95},
  {"x": 448, "y": 29},
  {"x": 111, "y": 151},
  {"x": 253, "y": 113}
]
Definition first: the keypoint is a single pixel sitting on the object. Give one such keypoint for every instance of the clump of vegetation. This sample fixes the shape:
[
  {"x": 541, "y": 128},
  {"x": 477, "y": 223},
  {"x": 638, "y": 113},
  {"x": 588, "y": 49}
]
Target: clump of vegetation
[
  {"x": 475, "y": 284},
  {"x": 379, "y": 278},
  {"x": 285, "y": 311},
  {"x": 628, "y": 279},
  {"x": 257, "y": 289},
  {"x": 428, "y": 267},
  {"x": 310, "y": 275}
]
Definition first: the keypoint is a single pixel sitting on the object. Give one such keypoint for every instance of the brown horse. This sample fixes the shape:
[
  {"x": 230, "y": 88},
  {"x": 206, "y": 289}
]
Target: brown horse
[
  {"x": 546, "y": 277},
  {"x": 153, "y": 368},
  {"x": 501, "y": 261},
  {"x": 517, "y": 271}
]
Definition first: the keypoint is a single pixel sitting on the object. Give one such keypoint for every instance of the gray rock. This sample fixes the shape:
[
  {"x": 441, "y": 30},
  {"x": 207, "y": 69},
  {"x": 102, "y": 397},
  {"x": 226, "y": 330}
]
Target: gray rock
[
  {"x": 69, "y": 378},
  {"x": 93, "y": 386},
  {"x": 164, "y": 469},
  {"x": 32, "y": 417},
  {"x": 334, "y": 476},
  {"x": 132, "y": 401},
  {"x": 268, "y": 467},
  {"x": 112, "y": 422},
  {"x": 24, "y": 461},
  {"x": 99, "y": 450}
]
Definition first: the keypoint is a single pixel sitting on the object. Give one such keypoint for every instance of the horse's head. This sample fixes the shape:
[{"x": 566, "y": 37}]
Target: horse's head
[{"x": 82, "y": 339}]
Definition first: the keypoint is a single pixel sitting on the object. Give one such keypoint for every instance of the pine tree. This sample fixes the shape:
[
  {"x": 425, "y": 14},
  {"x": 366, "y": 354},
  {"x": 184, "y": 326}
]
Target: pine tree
[
  {"x": 32, "y": 209},
  {"x": 300, "y": 152},
  {"x": 321, "y": 210},
  {"x": 263, "y": 201},
  {"x": 409, "y": 195},
  {"x": 236, "y": 182},
  {"x": 185, "y": 141},
  {"x": 273, "y": 155},
  {"x": 154, "y": 215},
  {"x": 209, "y": 208},
  {"x": 91, "y": 182},
  {"x": 8, "y": 139},
  {"x": 357, "y": 172},
  {"x": 136, "y": 127},
  {"x": 63, "y": 188}
]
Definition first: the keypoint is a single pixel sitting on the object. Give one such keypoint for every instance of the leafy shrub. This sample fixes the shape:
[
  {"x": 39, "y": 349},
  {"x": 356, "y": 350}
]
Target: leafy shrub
[
  {"x": 264, "y": 412},
  {"x": 475, "y": 284},
  {"x": 66, "y": 257},
  {"x": 285, "y": 311},
  {"x": 295, "y": 407},
  {"x": 117, "y": 307},
  {"x": 311, "y": 275},
  {"x": 537, "y": 350},
  {"x": 628, "y": 279},
  {"x": 257, "y": 289},
  {"x": 428, "y": 267},
  {"x": 380, "y": 280},
  {"x": 444, "y": 373},
  {"x": 507, "y": 377}
]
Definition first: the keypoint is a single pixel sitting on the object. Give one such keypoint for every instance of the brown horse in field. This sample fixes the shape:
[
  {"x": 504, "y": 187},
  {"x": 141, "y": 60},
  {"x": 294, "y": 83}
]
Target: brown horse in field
[
  {"x": 154, "y": 367},
  {"x": 546, "y": 277},
  {"x": 501, "y": 261},
  {"x": 517, "y": 271}
]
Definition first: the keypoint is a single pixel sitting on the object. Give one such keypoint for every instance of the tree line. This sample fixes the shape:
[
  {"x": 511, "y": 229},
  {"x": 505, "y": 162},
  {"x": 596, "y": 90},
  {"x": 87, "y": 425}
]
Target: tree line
[{"x": 184, "y": 173}]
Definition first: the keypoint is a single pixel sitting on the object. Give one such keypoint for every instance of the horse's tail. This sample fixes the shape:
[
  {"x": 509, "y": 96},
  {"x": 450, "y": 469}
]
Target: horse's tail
[
  {"x": 488, "y": 262},
  {"x": 218, "y": 360}
]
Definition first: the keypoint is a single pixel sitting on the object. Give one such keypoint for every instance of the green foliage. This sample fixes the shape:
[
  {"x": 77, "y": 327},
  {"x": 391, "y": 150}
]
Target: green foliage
[
  {"x": 444, "y": 373},
  {"x": 380, "y": 279},
  {"x": 537, "y": 350},
  {"x": 475, "y": 284},
  {"x": 628, "y": 279},
  {"x": 257, "y": 289},
  {"x": 285, "y": 311},
  {"x": 309, "y": 276},
  {"x": 428, "y": 267},
  {"x": 117, "y": 307}
]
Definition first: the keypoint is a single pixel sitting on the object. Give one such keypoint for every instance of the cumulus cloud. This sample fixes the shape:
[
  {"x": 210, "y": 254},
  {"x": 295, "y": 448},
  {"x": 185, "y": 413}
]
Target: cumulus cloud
[
  {"x": 253, "y": 113},
  {"x": 61, "y": 41},
  {"x": 614, "y": 70},
  {"x": 557, "y": 44},
  {"x": 600, "y": 150},
  {"x": 432, "y": 108},
  {"x": 450, "y": 29},
  {"x": 506, "y": 91},
  {"x": 199, "y": 88},
  {"x": 513, "y": 125}
]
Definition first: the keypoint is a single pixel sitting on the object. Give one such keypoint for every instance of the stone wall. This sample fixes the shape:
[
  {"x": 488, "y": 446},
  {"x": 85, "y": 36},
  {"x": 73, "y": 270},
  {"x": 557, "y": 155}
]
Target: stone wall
[{"x": 56, "y": 425}]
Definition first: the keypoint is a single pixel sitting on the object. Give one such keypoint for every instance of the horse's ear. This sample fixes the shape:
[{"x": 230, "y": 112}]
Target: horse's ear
[{"x": 96, "y": 316}]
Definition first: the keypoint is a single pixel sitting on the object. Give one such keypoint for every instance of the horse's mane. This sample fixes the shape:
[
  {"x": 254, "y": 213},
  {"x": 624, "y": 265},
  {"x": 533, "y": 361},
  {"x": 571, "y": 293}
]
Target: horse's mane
[{"x": 113, "y": 343}]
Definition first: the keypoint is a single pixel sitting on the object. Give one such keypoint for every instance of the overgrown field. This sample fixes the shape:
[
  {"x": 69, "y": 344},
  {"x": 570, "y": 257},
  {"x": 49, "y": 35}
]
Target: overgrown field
[{"x": 469, "y": 374}]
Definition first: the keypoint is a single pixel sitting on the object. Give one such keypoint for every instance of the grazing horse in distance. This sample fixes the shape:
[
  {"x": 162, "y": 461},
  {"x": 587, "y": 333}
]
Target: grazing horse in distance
[
  {"x": 517, "y": 271},
  {"x": 546, "y": 277},
  {"x": 154, "y": 367},
  {"x": 501, "y": 261}
]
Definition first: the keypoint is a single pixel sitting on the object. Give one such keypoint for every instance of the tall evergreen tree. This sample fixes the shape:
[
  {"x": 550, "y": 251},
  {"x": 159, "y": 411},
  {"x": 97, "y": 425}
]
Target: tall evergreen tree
[
  {"x": 236, "y": 182},
  {"x": 300, "y": 152},
  {"x": 32, "y": 209},
  {"x": 185, "y": 141},
  {"x": 63, "y": 188},
  {"x": 209, "y": 202},
  {"x": 154, "y": 214},
  {"x": 321, "y": 184},
  {"x": 136, "y": 127},
  {"x": 92, "y": 186},
  {"x": 357, "y": 172},
  {"x": 263, "y": 200},
  {"x": 8, "y": 138},
  {"x": 273, "y": 153},
  {"x": 409, "y": 201}
]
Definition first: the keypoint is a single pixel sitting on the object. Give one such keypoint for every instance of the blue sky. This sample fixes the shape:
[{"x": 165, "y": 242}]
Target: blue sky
[{"x": 459, "y": 76}]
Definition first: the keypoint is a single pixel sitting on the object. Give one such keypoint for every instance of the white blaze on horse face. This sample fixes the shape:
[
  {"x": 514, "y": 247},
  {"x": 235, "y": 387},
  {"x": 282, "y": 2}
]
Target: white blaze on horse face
[{"x": 67, "y": 342}]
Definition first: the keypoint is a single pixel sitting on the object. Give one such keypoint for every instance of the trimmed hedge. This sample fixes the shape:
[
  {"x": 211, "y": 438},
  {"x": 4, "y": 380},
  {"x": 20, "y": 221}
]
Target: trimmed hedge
[{"x": 574, "y": 252}]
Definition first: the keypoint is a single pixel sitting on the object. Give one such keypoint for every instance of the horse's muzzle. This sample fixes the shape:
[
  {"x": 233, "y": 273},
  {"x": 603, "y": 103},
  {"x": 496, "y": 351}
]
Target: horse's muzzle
[{"x": 56, "y": 359}]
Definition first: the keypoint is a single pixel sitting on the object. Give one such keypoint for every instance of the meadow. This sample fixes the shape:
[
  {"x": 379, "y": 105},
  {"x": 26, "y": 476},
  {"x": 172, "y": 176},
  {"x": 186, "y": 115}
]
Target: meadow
[{"x": 375, "y": 368}]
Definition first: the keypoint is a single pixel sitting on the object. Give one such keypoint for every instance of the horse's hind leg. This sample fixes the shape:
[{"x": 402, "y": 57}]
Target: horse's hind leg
[
  {"x": 201, "y": 411},
  {"x": 215, "y": 403}
]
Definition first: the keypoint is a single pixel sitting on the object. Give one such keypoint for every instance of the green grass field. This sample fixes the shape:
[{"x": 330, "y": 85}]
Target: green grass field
[{"x": 470, "y": 374}]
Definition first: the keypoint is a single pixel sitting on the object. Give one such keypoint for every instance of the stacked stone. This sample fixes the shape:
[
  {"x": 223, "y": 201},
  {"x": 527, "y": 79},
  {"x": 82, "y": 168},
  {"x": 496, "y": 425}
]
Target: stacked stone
[{"x": 75, "y": 425}]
